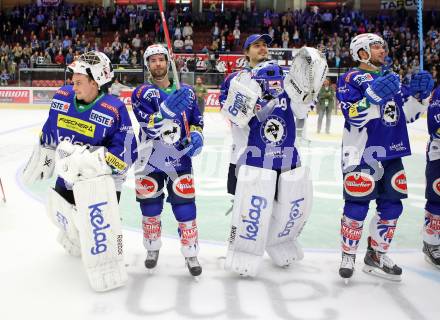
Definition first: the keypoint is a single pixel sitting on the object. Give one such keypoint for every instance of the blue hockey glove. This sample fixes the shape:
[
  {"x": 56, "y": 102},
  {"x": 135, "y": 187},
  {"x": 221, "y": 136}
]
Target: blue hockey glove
[
  {"x": 421, "y": 84},
  {"x": 196, "y": 144},
  {"x": 175, "y": 104},
  {"x": 383, "y": 89}
]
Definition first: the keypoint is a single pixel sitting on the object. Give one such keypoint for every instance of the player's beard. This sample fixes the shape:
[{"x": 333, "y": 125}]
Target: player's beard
[{"x": 159, "y": 74}]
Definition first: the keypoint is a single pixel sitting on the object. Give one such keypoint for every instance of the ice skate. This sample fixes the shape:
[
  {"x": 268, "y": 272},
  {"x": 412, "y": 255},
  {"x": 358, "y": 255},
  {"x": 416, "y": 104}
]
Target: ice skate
[
  {"x": 193, "y": 266},
  {"x": 346, "y": 268},
  {"x": 151, "y": 260},
  {"x": 432, "y": 254},
  {"x": 380, "y": 265}
]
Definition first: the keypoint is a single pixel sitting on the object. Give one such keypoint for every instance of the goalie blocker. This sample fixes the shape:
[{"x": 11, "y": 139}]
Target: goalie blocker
[{"x": 259, "y": 223}]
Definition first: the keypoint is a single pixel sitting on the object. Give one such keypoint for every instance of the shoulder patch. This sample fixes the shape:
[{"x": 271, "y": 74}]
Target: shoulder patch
[
  {"x": 113, "y": 109},
  {"x": 349, "y": 74}
]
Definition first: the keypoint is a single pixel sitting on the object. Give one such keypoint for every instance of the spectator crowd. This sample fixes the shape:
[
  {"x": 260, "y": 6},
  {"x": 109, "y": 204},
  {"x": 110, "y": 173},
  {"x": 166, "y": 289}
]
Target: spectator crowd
[{"x": 31, "y": 36}]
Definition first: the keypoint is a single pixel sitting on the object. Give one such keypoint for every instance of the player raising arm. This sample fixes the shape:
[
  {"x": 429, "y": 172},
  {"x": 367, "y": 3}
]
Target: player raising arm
[{"x": 376, "y": 107}]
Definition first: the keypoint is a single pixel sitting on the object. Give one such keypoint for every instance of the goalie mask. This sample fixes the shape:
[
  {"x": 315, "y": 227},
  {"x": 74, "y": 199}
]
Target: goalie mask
[
  {"x": 306, "y": 75},
  {"x": 94, "y": 64},
  {"x": 269, "y": 76},
  {"x": 153, "y": 50},
  {"x": 363, "y": 42}
]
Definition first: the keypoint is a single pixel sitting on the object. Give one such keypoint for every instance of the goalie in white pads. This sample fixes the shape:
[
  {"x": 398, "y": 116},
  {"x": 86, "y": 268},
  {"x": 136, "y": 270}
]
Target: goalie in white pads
[
  {"x": 273, "y": 192},
  {"x": 88, "y": 140}
]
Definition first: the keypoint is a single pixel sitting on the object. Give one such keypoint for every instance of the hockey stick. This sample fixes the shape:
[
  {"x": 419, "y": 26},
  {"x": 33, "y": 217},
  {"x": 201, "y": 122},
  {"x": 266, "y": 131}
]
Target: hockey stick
[
  {"x": 420, "y": 25},
  {"x": 173, "y": 65},
  {"x": 3, "y": 191}
]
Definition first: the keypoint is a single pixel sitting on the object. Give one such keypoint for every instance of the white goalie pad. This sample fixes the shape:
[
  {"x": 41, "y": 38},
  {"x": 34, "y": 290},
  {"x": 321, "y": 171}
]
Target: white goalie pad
[
  {"x": 290, "y": 213},
  {"x": 250, "y": 219},
  {"x": 242, "y": 97},
  {"x": 99, "y": 227},
  {"x": 306, "y": 75},
  {"x": 413, "y": 109},
  {"x": 75, "y": 162},
  {"x": 61, "y": 213},
  {"x": 40, "y": 166}
]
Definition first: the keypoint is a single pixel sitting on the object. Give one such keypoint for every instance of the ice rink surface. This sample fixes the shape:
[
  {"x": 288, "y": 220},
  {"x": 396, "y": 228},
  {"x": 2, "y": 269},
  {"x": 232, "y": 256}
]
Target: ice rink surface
[{"x": 39, "y": 280}]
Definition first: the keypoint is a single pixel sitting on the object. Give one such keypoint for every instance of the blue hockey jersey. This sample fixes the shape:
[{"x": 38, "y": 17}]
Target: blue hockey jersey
[
  {"x": 266, "y": 144},
  {"x": 386, "y": 134},
  {"x": 104, "y": 122},
  {"x": 166, "y": 152},
  {"x": 433, "y": 120}
]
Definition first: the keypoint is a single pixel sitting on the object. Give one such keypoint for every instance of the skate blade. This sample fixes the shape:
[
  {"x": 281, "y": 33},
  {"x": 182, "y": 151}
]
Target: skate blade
[
  {"x": 431, "y": 262},
  {"x": 346, "y": 281},
  {"x": 381, "y": 274}
]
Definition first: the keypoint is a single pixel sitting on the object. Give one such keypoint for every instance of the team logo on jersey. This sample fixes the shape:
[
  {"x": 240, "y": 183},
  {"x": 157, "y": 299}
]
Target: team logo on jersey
[
  {"x": 358, "y": 184},
  {"x": 390, "y": 114},
  {"x": 101, "y": 118},
  {"x": 361, "y": 78},
  {"x": 146, "y": 187},
  {"x": 436, "y": 186},
  {"x": 83, "y": 127},
  {"x": 273, "y": 131},
  {"x": 170, "y": 132},
  {"x": 183, "y": 186},
  {"x": 60, "y": 105},
  {"x": 398, "y": 182}
]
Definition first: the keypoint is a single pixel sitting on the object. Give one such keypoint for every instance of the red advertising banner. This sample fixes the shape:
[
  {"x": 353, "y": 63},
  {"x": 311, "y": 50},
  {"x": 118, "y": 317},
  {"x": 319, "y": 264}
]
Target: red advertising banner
[
  {"x": 125, "y": 96},
  {"x": 225, "y": 63},
  {"x": 211, "y": 100},
  {"x": 14, "y": 96}
]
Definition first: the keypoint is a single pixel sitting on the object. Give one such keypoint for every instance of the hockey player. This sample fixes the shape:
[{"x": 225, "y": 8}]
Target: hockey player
[
  {"x": 376, "y": 107},
  {"x": 272, "y": 192},
  {"x": 165, "y": 157},
  {"x": 88, "y": 140},
  {"x": 431, "y": 229}
]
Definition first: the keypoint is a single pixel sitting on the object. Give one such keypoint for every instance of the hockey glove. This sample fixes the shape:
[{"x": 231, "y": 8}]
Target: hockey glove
[
  {"x": 196, "y": 144},
  {"x": 421, "y": 84},
  {"x": 383, "y": 89},
  {"x": 175, "y": 104}
]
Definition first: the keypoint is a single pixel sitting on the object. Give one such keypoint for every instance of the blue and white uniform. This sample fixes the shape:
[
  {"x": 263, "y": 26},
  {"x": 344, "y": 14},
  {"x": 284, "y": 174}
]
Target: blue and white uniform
[
  {"x": 431, "y": 233},
  {"x": 103, "y": 122},
  {"x": 380, "y": 137},
  {"x": 268, "y": 143}
]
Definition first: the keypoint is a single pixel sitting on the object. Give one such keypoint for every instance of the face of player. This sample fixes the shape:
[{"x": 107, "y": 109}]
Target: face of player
[
  {"x": 378, "y": 55},
  {"x": 158, "y": 66},
  {"x": 257, "y": 52},
  {"x": 85, "y": 89}
]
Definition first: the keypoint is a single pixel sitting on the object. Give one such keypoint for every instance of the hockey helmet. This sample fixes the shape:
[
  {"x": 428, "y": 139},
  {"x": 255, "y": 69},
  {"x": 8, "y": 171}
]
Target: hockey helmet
[
  {"x": 364, "y": 41},
  {"x": 94, "y": 64},
  {"x": 269, "y": 76},
  {"x": 155, "y": 49}
]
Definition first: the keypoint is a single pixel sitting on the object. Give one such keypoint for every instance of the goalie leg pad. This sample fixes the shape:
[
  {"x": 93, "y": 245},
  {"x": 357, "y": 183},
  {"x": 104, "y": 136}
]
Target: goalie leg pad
[
  {"x": 40, "y": 166},
  {"x": 62, "y": 213},
  {"x": 99, "y": 227},
  {"x": 250, "y": 219},
  {"x": 291, "y": 211}
]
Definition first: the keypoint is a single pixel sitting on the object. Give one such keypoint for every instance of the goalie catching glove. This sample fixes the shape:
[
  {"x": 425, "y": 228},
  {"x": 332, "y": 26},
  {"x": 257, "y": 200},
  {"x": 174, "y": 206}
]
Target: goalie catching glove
[
  {"x": 73, "y": 162},
  {"x": 306, "y": 75}
]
